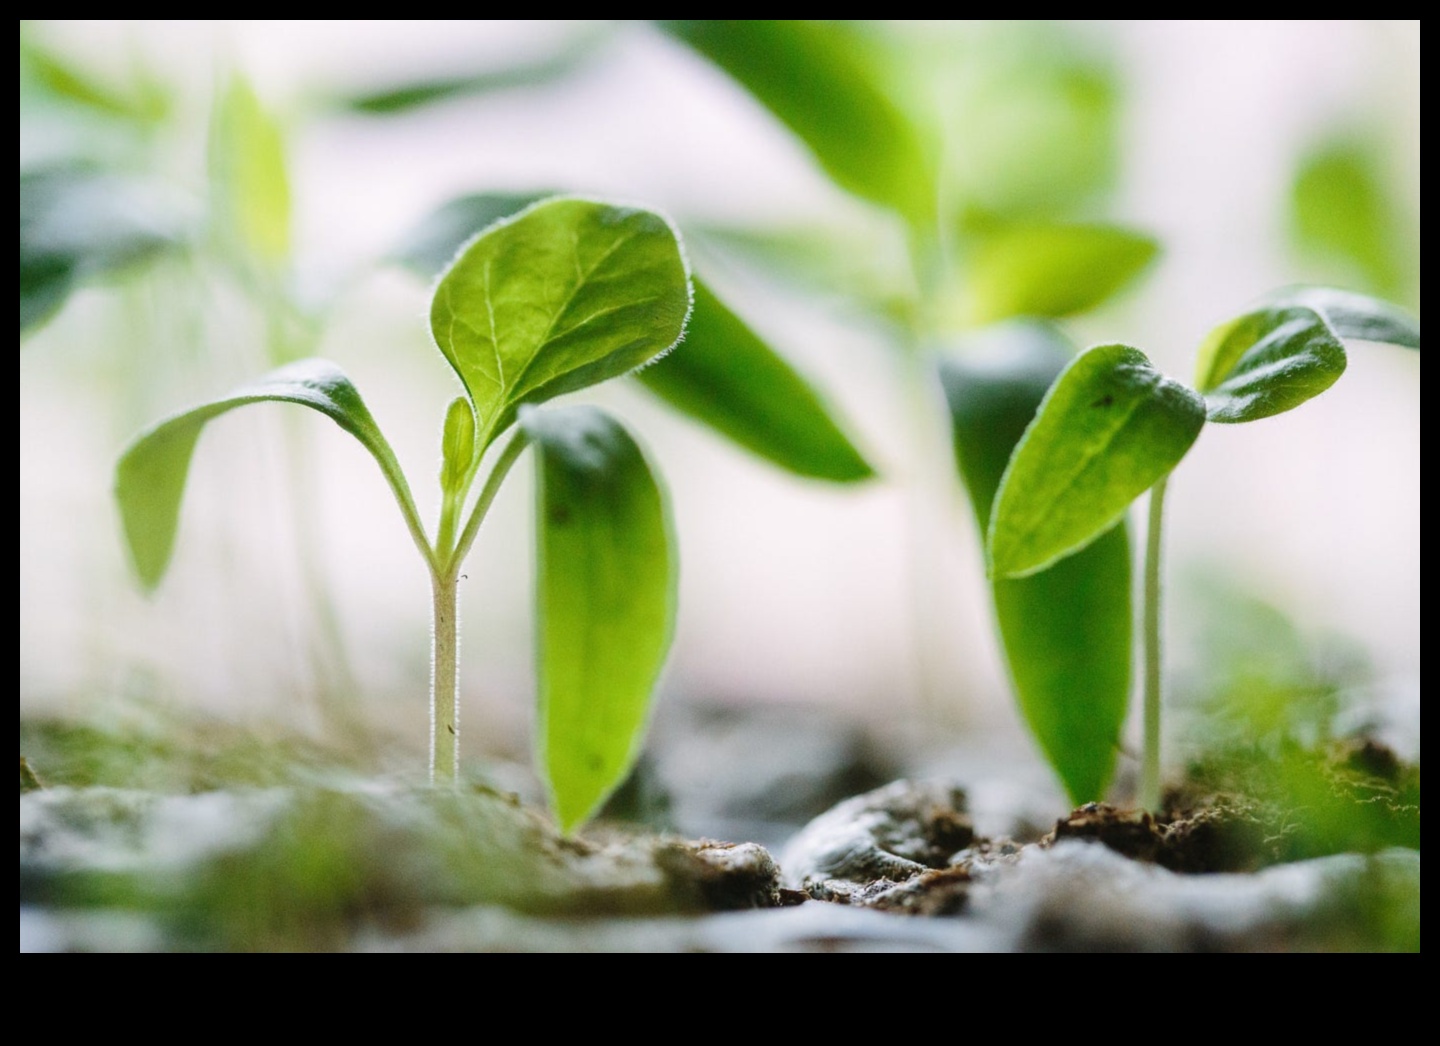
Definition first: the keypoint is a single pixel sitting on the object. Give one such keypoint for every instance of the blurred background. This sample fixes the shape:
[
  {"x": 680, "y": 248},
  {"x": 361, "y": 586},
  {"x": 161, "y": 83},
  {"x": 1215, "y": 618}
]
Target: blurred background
[{"x": 214, "y": 198}]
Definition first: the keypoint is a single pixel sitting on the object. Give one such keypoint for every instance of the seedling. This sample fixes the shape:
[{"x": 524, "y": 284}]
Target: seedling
[
  {"x": 1112, "y": 426},
  {"x": 559, "y": 297}
]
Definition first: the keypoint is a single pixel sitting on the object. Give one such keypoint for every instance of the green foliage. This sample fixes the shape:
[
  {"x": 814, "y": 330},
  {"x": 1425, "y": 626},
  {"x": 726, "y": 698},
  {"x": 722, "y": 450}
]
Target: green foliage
[
  {"x": 248, "y": 176},
  {"x": 607, "y": 580},
  {"x": 1066, "y": 631},
  {"x": 562, "y": 296}
]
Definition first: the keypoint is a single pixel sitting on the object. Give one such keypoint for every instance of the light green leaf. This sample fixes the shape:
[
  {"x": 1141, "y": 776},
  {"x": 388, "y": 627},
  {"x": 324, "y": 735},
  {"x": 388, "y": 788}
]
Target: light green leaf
[
  {"x": 1267, "y": 362},
  {"x": 250, "y": 186},
  {"x": 457, "y": 446},
  {"x": 1051, "y": 269},
  {"x": 1342, "y": 208},
  {"x": 150, "y": 478},
  {"x": 61, "y": 78},
  {"x": 77, "y": 223},
  {"x": 815, "y": 78},
  {"x": 1109, "y": 428},
  {"x": 606, "y": 581},
  {"x": 1066, "y": 630},
  {"x": 726, "y": 377},
  {"x": 562, "y": 296},
  {"x": 1357, "y": 316}
]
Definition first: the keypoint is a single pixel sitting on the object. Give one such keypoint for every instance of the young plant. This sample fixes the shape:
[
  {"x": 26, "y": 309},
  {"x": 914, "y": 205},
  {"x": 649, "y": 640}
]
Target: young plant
[
  {"x": 561, "y": 296},
  {"x": 1112, "y": 427}
]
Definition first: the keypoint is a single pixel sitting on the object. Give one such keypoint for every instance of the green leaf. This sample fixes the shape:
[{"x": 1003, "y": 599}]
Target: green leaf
[
  {"x": 1066, "y": 630},
  {"x": 78, "y": 223},
  {"x": 63, "y": 79},
  {"x": 1357, "y": 316},
  {"x": 606, "y": 581},
  {"x": 1109, "y": 428},
  {"x": 457, "y": 446},
  {"x": 815, "y": 78},
  {"x": 728, "y": 378},
  {"x": 249, "y": 182},
  {"x": 150, "y": 478},
  {"x": 433, "y": 244},
  {"x": 1052, "y": 269},
  {"x": 1341, "y": 207},
  {"x": 1267, "y": 362},
  {"x": 560, "y": 297}
]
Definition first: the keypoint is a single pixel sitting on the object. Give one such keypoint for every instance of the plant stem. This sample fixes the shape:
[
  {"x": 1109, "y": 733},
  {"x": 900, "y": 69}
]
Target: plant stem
[
  {"x": 1150, "y": 767},
  {"x": 444, "y": 680}
]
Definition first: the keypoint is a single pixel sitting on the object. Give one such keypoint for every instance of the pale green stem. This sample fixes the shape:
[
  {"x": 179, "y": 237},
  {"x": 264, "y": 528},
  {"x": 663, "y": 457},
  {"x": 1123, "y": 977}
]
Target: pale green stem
[
  {"x": 445, "y": 642},
  {"x": 444, "y": 681},
  {"x": 1150, "y": 767}
]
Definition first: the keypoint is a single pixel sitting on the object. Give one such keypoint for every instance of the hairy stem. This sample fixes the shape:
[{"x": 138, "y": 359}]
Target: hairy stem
[
  {"x": 1150, "y": 767},
  {"x": 444, "y": 680}
]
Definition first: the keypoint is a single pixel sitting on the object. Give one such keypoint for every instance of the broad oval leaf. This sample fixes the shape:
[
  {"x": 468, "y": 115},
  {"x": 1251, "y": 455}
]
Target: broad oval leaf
[
  {"x": 1357, "y": 316},
  {"x": 1052, "y": 269},
  {"x": 606, "y": 585},
  {"x": 559, "y": 297},
  {"x": 150, "y": 477},
  {"x": 728, "y": 378},
  {"x": 813, "y": 77},
  {"x": 1066, "y": 630},
  {"x": 1267, "y": 362},
  {"x": 1108, "y": 429}
]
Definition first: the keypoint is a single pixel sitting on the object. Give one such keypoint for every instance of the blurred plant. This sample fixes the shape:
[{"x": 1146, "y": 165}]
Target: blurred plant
[
  {"x": 564, "y": 295},
  {"x": 1112, "y": 427}
]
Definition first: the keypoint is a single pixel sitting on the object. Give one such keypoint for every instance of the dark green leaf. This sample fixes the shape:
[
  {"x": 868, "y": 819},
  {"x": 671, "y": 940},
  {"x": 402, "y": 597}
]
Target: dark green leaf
[
  {"x": 77, "y": 223},
  {"x": 726, "y": 377},
  {"x": 561, "y": 297},
  {"x": 1066, "y": 630},
  {"x": 249, "y": 180},
  {"x": 1357, "y": 316},
  {"x": 1267, "y": 362},
  {"x": 1342, "y": 208},
  {"x": 150, "y": 478},
  {"x": 1051, "y": 270},
  {"x": 1109, "y": 428},
  {"x": 815, "y": 79},
  {"x": 433, "y": 244},
  {"x": 606, "y": 581}
]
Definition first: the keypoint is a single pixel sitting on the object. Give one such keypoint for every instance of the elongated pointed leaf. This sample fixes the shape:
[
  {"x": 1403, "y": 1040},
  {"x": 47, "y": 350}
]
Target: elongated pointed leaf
[
  {"x": 1066, "y": 630},
  {"x": 606, "y": 596},
  {"x": 1357, "y": 316},
  {"x": 1052, "y": 269},
  {"x": 150, "y": 478},
  {"x": 1109, "y": 428},
  {"x": 250, "y": 184},
  {"x": 1267, "y": 362},
  {"x": 732, "y": 381},
  {"x": 560, "y": 297},
  {"x": 813, "y": 77}
]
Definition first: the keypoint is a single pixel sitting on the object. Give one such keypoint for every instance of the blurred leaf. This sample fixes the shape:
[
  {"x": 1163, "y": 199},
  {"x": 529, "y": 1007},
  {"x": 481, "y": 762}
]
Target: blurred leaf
[
  {"x": 728, "y": 378},
  {"x": 64, "y": 80},
  {"x": 150, "y": 477},
  {"x": 1065, "y": 630},
  {"x": 1267, "y": 362},
  {"x": 1109, "y": 428},
  {"x": 1357, "y": 316},
  {"x": 606, "y": 584},
  {"x": 401, "y": 98},
  {"x": 77, "y": 223},
  {"x": 1341, "y": 208},
  {"x": 1051, "y": 270},
  {"x": 249, "y": 182},
  {"x": 816, "y": 78},
  {"x": 432, "y": 245},
  {"x": 563, "y": 296}
]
